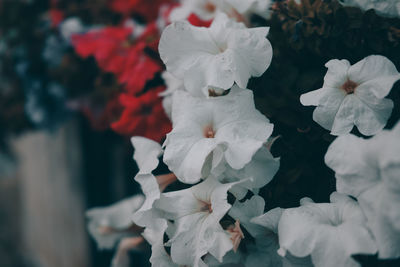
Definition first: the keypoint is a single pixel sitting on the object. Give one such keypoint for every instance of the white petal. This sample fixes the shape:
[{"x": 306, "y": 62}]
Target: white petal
[
  {"x": 210, "y": 71},
  {"x": 345, "y": 116},
  {"x": 354, "y": 173},
  {"x": 252, "y": 53},
  {"x": 172, "y": 83},
  {"x": 177, "y": 204},
  {"x": 186, "y": 155},
  {"x": 327, "y": 109},
  {"x": 312, "y": 98},
  {"x": 116, "y": 217},
  {"x": 146, "y": 153},
  {"x": 146, "y": 215},
  {"x": 374, "y": 204},
  {"x": 181, "y": 45},
  {"x": 374, "y": 73},
  {"x": 336, "y": 75},
  {"x": 245, "y": 211},
  {"x": 331, "y": 233},
  {"x": 269, "y": 220},
  {"x": 370, "y": 119},
  {"x": 154, "y": 236},
  {"x": 261, "y": 169}
]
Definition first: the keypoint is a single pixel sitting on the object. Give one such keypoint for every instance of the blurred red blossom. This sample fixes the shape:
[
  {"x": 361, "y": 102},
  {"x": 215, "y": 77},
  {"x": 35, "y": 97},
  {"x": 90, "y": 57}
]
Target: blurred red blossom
[
  {"x": 143, "y": 116},
  {"x": 116, "y": 52}
]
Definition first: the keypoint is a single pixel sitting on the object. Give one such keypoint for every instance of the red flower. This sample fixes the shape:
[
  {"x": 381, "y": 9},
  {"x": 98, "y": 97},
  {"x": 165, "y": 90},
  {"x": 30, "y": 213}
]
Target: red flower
[
  {"x": 115, "y": 52},
  {"x": 103, "y": 44},
  {"x": 138, "y": 69},
  {"x": 143, "y": 115}
]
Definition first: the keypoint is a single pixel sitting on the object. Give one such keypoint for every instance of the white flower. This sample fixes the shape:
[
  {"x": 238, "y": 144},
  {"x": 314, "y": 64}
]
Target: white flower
[
  {"x": 110, "y": 224},
  {"x": 196, "y": 213},
  {"x": 215, "y": 57},
  {"x": 370, "y": 171},
  {"x": 329, "y": 232},
  {"x": 229, "y": 124},
  {"x": 354, "y": 95},
  {"x": 386, "y": 8}
]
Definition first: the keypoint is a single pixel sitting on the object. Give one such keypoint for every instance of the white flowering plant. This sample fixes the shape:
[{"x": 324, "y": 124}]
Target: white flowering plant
[{"x": 239, "y": 162}]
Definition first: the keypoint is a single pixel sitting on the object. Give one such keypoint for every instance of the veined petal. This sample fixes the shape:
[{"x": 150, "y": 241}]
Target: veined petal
[{"x": 376, "y": 74}]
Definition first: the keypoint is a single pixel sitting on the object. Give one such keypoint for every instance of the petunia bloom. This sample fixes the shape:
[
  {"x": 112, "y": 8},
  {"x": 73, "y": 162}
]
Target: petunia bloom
[
  {"x": 108, "y": 225},
  {"x": 112, "y": 225},
  {"x": 215, "y": 57},
  {"x": 354, "y": 95},
  {"x": 369, "y": 170},
  {"x": 207, "y": 131},
  {"x": 143, "y": 115},
  {"x": 196, "y": 213},
  {"x": 329, "y": 232}
]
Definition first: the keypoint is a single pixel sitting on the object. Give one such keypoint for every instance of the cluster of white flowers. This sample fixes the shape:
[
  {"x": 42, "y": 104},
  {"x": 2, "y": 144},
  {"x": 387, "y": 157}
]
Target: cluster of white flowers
[
  {"x": 218, "y": 141},
  {"x": 218, "y": 147}
]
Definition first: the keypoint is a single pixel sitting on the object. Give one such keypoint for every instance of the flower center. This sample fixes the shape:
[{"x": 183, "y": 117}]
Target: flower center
[
  {"x": 165, "y": 180},
  {"x": 349, "y": 86},
  {"x": 209, "y": 132},
  {"x": 236, "y": 235},
  {"x": 213, "y": 92},
  {"x": 210, "y": 7},
  {"x": 206, "y": 207}
]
